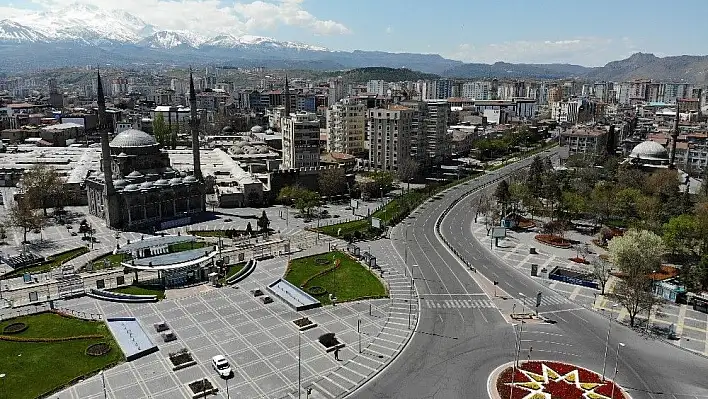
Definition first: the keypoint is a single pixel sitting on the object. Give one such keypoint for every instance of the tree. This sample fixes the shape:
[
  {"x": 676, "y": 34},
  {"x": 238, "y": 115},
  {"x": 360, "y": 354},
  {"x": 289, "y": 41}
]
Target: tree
[
  {"x": 679, "y": 234},
  {"x": 602, "y": 200},
  {"x": 160, "y": 130},
  {"x": 534, "y": 180},
  {"x": 332, "y": 182},
  {"x": 306, "y": 200},
  {"x": 518, "y": 195},
  {"x": 503, "y": 195},
  {"x": 3, "y": 233},
  {"x": 407, "y": 170},
  {"x": 551, "y": 190},
  {"x": 249, "y": 229},
  {"x": 601, "y": 271},
  {"x": 263, "y": 223},
  {"x": 700, "y": 211},
  {"x": 637, "y": 254},
  {"x": 376, "y": 183},
  {"x": 626, "y": 203},
  {"x": 23, "y": 216},
  {"x": 573, "y": 204},
  {"x": 42, "y": 187}
]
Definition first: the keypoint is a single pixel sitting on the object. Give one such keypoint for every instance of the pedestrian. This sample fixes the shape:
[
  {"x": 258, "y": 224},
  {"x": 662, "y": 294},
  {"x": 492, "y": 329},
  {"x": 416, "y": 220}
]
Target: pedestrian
[{"x": 336, "y": 354}]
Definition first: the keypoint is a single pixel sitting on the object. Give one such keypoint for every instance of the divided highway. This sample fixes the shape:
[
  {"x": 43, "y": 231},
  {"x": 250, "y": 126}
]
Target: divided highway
[{"x": 461, "y": 336}]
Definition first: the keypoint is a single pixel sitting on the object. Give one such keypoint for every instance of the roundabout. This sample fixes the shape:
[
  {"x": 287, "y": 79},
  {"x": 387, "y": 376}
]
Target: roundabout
[{"x": 546, "y": 379}]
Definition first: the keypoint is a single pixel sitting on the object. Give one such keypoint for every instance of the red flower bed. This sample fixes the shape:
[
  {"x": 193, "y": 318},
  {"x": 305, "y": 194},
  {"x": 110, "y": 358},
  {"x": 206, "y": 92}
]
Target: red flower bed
[
  {"x": 553, "y": 240},
  {"x": 561, "y": 380},
  {"x": 579, "y": 260}
]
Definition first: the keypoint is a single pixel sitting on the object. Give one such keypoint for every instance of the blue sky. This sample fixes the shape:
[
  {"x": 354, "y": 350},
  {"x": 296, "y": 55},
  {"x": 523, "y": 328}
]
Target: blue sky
[{"x": 583, "y": 32}]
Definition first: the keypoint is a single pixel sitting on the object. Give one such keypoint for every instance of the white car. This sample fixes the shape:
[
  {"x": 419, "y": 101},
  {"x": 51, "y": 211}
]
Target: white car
[{"x": 221, "y": 365}]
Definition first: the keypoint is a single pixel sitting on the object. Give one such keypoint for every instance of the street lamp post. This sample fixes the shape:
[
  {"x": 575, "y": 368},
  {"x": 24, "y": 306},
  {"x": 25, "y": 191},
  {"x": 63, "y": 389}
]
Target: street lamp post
[
  {"x": 2, "y": 383},
  {"x": 103, "y": 382},
  {"x": 358, "y": 330},
  {"x": 607, "y": 342},
  {"x": 299, "y": 366},
  {"x": 614, "y": 379}
]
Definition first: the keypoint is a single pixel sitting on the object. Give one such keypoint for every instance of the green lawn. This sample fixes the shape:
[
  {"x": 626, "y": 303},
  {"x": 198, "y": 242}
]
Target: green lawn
[
  {"x": 141, "y": 290},
  {"x": 51, "y": 262},
  {"x": 351, "y": 281},
  {"x": 33, "y": 369},
  {"x": 209, "y": 233},
  {"x": 233, "y": 269},
  {"x": 186, "y": 246},
  {"x": 114, "y": 260}
]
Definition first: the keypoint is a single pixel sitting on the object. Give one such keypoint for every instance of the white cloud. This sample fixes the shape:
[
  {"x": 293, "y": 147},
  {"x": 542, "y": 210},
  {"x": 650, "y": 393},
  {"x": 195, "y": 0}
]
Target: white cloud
[
  {"x": 208, "y": 16},
  {"x": 589, "y": 51},
  {"x": 389, "y": 30}
]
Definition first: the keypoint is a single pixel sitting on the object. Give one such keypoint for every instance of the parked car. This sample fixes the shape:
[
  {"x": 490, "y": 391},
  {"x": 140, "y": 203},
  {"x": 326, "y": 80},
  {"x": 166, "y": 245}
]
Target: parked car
[{"x": 221, "y": 366}]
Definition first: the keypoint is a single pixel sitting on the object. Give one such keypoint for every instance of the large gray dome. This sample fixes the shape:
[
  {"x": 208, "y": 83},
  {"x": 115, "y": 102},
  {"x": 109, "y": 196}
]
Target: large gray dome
[
  {"x": 649, "y": 150},
  {"x": 133, "y": 138}
]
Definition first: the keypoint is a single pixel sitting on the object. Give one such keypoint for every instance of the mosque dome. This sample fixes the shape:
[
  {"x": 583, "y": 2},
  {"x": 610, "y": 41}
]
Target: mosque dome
[
  {"x": 649, "y": 150},
  {"x": 190, "y": 179},
  {"x": 132, "y": 187},
  {"x": 146, "y": 186},
  {"x": 120, "y": 183},
  {"x": 133, "y": 138},
  {"x": 176, "y": 181},
  {"x": 257, "y": 129},
  {"x": 227, "y": 130},
  {"x": 162, "y": 182},
  {"x": 135, "y": 174}
]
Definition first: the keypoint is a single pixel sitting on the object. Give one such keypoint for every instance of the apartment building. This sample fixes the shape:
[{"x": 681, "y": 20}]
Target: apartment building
[
  {"x": 301, "y": 140},
  {"x": 584, "y": 140},
  {"x": 477, "y": 90},
  {"x": 437, "y": 121},
  {"x": 378, "y": 87},
  {"x": 389, "y": 130},
  {"x": 346, "y": 127}
]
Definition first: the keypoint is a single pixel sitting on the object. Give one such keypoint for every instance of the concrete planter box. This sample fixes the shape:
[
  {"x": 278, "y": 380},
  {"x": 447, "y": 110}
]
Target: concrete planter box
[
  {"x": 202, "y": 393},
  {"x": 305, "y": 327}
]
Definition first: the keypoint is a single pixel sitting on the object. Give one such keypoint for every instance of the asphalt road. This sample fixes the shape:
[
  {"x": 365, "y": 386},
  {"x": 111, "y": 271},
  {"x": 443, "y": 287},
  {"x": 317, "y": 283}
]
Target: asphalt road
[{"x": 458, "y": 344}]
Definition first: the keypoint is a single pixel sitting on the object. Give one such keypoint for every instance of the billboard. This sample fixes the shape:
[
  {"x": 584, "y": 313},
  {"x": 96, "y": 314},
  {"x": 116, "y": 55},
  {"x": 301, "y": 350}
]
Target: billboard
[
  {"x": 376, "y": 223},
  {"x": 498, "y": 232}
]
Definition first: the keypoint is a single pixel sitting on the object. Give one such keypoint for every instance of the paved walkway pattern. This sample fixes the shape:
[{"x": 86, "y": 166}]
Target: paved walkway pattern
[{"x": 260, "y": 341}]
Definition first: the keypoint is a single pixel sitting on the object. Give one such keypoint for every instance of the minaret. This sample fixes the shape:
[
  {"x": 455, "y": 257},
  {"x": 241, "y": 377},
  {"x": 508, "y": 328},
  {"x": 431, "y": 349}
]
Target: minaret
[
  {"x": 287, "y": 98},
  {"x": 674, "y": 137},
  {"x": 103, "y": 130},
  {"x": 194, "y": 124}
]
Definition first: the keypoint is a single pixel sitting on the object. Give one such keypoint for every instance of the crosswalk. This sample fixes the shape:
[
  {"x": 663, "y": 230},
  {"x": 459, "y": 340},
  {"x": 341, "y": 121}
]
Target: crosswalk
[{"x": 457, "y": 303}]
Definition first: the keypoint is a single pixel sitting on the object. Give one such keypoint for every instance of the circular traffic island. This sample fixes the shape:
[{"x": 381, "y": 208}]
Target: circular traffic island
[{"x": 541, "y": 379}]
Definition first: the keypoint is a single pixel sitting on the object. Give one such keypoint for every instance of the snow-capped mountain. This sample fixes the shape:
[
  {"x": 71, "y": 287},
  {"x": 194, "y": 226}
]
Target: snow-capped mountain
[
  {"x": 230, "y": 41},
  {"x": 166, "y": 39},
  {"x": 91, "y": 25},
  {"x": 13, "y": 32},
  {"x": 88, "y": 24}
]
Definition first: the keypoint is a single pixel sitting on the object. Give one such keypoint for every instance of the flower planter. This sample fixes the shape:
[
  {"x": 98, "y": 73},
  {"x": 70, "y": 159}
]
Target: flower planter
[
  {"x": 561, "y": 380},
  {"x": 202, "y": 388},
  {"x": 304, "y": 324},
  {"x": 181, "y": 360},
  {"x": 330, "y": 342},
  {"x": 553, "y": 241}
]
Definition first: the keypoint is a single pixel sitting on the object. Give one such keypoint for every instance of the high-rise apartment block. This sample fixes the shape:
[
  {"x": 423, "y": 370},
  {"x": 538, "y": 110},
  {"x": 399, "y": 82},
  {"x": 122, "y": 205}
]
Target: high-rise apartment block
[
  {"x": 346, "y": 127},
  {"x": 477, "y": 90},
  {"x": 336, "y": 91},
  {"x": 378, "y": 87},
  {"x": 389, "y": 131},
  {"x": 301, "y": 140},
  {"x": 436, "y": 89}
]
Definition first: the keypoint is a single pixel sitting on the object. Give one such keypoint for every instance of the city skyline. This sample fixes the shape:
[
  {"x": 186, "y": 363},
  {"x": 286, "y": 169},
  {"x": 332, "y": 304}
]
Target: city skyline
[{"x": 543, "y": 32}]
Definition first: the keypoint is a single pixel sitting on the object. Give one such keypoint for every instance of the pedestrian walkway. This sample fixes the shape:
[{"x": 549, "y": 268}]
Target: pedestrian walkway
[
  {"x": 514, "y": 250},
  {"x": 261, "y": 341}
]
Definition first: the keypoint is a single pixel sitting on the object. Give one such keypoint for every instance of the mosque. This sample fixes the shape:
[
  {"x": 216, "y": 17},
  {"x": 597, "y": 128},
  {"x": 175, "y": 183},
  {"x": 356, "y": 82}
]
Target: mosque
[{"x": 137, "y": 189}]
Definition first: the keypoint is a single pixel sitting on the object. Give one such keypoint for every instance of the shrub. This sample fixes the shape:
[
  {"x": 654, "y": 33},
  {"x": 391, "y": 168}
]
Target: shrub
[
  {"x": 316, "y": 290},
  {"x": 99, "y": 349},
  {"x": 15, "y": 328}
]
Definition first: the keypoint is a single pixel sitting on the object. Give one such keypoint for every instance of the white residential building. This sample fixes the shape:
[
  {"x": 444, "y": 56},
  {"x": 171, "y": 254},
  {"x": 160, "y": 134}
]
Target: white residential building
[
  {"x": 477, "y": 90},
  {"x": 389, "y": 131},
  {"x": 301, "y": 140},
  {"x": 346, "y": 127},
  {"x": 378, "y": 87}
]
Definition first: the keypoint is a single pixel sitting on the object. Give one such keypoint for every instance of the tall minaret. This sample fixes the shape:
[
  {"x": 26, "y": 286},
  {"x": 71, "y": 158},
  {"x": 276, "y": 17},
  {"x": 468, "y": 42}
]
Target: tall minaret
[
  {"x": 103, "y": 130},
  {"x": 674, "y": 136},
  {"x": 287, "y": 98},
  {"x": 194, "y": 124}
]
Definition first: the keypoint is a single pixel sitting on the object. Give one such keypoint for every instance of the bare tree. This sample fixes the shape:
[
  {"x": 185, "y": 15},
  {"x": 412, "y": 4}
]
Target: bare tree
[
  {"x": 601, "y": 271},
  {"x": 42, "y": 187},
  {"x": 23, "y": 216},
  {"x": 407, "y": 170}
]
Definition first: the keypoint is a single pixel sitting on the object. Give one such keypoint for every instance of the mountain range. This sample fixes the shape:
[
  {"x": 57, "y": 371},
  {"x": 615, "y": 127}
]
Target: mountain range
[{"x": 81, "y": 35}]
